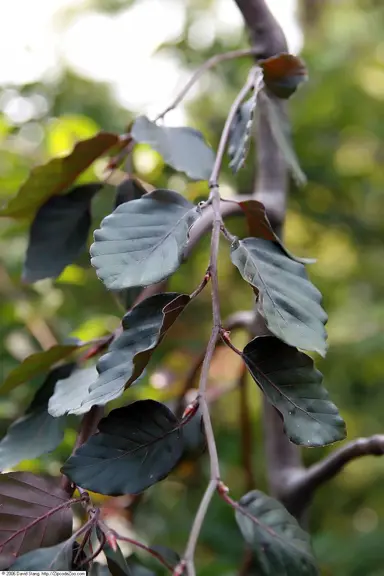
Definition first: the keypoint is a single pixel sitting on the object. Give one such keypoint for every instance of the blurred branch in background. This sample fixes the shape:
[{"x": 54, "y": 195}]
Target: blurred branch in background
[
  {"x": 301, "y": 488},
  {"x": 270, "y": 188},
  {"x": 35, "y": 324}
]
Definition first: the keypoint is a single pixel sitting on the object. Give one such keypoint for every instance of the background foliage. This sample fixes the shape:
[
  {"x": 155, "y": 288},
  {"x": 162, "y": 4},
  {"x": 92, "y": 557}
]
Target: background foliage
[{"x": 337, "y": 218}]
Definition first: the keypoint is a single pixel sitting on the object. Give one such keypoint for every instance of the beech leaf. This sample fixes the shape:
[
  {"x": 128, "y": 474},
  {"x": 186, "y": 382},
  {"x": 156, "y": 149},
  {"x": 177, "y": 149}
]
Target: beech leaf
[
  {"x": 37, "y": 364},
  {"x": 281, "y": 131},
  {"x": 182, "y": 148},
  {"x": 37, "y": 432},
  {"x": 259, "y": 227},
  {"x": 283, "y": 74},
  {"x": 24, "y": 498},
  {"x": 144, "y": 327},
  {"x": 293, "y": 385},
  {"x": 117, "y": 564},
  {"x": 137, "y": 446},
  {"x": 129, "y": 189},
  {"x": 240, "y": 133},
  {"x": 290, "y": 303},
  {"x": 142, "y": 242},
  {"x": 257, "y": 220},
  {"x": 59, "y": 233},
  {"x": 71, "y": 391},
  {"x": 280, "y": 546},
  {"x": 57, "y": 557},
  {"x": 57, "y": 175}
]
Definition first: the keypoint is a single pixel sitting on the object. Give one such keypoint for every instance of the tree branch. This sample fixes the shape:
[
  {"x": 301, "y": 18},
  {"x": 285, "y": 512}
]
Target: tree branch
[
  {"x": 266, "y": 35},
  {"x": 301, "y": 489}
]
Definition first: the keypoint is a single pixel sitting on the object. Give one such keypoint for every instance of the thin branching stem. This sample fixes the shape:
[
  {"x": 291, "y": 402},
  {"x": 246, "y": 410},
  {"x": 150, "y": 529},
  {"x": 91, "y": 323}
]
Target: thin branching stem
[
  {"x": 110, "y": 532},
  {"x": 195, "y": 531},
  {"x": 217, "y": 224},
  {"x": 207, "y": 65}
]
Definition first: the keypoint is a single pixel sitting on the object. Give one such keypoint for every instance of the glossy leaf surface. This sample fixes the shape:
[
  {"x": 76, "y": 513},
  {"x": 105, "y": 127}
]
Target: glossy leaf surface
[
  {"x": 292, "y": 384},
  {"x": 142, "y": 241},
  {"x": 136, "y": 446}
]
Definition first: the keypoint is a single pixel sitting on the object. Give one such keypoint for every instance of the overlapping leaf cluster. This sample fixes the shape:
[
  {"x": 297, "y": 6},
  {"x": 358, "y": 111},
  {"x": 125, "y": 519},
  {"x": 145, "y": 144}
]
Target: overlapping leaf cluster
[{"x": 143, "y": 242}]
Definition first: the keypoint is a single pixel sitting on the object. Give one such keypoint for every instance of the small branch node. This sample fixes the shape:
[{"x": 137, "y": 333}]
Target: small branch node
[{"x": 222, "y": 488}]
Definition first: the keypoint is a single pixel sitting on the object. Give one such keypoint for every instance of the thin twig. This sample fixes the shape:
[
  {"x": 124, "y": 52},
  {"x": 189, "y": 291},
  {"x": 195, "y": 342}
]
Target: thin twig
[
  {"x": 226, "y": 339},
  {"x": 188, "y": 560},
  {"x": 202, "y": 285},
  {"x": 227, "y": 235},
  {"x": 109, "y": 531},
  {"x": 210, "y": 63},
  {"x": 195, "y": 531},
  {"x": 214, "y": 460},
  {"x": 96, "y": 552},
  {"x": 238, "y": 320}
]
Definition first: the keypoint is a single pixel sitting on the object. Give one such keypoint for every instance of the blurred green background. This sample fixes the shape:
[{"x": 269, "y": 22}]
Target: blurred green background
[{"x": 338, "y": 218}]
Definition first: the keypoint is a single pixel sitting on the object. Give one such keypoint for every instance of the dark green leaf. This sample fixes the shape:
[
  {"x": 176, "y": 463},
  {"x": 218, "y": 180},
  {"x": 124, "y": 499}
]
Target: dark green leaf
[
  {"x": 24, "y": 498},
  {"x": 116, "y": 562},
  {"x": 80, "y": 555},
  {"x": 194, "y": 436},
  {"x": 71, "y": 391},
  {"x": 29, "y": 437},
  {"x": 57, "y": 176},
  {"x": 130, "y": 189},
  {"x": 238, "y": 144},
  {"x": 290, "y": 303},
  {"x": 182, "y": 148},
  {"x": 137, "y": 446},
  {"x": 292, "y": 384},
  {"x": 144, "y": 327},
  {"x": 281, "y": 131},
  {"x": 57, "y": 557},
  {"x": 37, "y": 364},
  {"x": 36, "y": 432},
  {"x": 280, "y": 546},
  {"x": 142, "y": 241},
  {"x": 283, "y": 74},
  {"x": 59, "y": 233}
]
